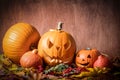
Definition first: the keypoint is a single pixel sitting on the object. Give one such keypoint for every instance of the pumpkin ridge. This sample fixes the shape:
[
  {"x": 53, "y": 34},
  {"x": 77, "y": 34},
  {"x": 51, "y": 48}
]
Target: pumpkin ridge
[{"x": 16, "y": 40}]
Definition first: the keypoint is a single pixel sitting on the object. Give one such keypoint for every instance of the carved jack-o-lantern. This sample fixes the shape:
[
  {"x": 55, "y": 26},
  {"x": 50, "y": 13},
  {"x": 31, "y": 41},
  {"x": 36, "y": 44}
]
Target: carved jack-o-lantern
[
  {"x": 86, "y": 57},
  {"x": 57, "y": 46}
]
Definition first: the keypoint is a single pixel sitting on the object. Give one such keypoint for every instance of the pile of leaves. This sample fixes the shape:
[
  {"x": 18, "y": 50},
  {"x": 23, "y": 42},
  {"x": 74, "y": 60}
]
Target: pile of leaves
[{"x": 11, "y": 71}]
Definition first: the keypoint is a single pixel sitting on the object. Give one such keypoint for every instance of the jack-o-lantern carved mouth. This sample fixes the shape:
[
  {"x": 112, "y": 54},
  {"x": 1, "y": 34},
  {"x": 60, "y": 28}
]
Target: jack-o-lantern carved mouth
[
  {"x": 85, "y": 64},
  {"x": 53, "y": 60}
]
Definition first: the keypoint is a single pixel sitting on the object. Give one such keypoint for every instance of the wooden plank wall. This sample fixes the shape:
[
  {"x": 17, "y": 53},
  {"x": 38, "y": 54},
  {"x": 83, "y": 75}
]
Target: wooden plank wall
[{"x": 92, "y": 23}]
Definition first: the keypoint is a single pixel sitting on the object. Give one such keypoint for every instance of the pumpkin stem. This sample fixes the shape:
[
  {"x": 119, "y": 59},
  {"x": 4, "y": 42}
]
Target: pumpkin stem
[
  {"x": 88, "y": 48},
  {"x": 59, "y": 26},
  {"x": 35, "y": 51}
]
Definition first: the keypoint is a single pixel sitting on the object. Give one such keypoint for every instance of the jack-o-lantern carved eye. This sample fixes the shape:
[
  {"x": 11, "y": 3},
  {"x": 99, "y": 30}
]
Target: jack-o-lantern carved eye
[
  {"x": 67, "y": 45},
  {"x": 50, "y": 44},
  {"x": 88, "y": 56}
]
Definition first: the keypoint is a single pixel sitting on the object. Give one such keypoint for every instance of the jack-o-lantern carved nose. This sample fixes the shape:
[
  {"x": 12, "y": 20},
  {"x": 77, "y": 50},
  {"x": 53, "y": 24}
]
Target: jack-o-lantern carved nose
[
  {"x": 83, "y": 60},
  {"x": 57, "y": 48}
]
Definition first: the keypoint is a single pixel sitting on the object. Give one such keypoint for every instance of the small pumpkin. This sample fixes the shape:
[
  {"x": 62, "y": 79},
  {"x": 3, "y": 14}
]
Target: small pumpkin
[
  {"x": 31, "y": 59},
  {"x": 57, "y": 46},
  {"x": 102, "y": 61},
  {"x": 86, "y": 57},
  {"x": 19, "y": 38}
]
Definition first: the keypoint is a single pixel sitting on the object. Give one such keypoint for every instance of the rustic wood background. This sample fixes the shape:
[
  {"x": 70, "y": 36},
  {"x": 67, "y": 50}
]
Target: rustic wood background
[{"x": 92, "y": 23}]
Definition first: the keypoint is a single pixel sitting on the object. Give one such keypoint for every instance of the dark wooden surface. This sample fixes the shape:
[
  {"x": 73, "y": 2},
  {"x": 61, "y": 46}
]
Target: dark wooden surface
[{"x": 92, "y": 23}]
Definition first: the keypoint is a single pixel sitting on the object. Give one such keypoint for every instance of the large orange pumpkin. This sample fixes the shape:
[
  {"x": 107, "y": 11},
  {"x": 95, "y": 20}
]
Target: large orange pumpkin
[
  {"x": 86, "y": 57},
  {"x": 19, "y": 38},
  {"x": 57, "y": 46}
]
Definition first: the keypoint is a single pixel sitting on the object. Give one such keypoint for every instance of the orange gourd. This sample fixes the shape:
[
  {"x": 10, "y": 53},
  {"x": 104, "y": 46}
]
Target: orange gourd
[
  {"x": 57, "y": 46},
  {"x": 86, "y": 57},
  {"x": 20, "y": 38},
  {"x": 31, "y": 59}
]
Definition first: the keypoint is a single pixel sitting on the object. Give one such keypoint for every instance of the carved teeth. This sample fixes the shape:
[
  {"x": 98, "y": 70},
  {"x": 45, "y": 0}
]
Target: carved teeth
[
  {"x": 56, "y": 61},
  {"x": 53, "y": 60},
  {"x": 66, "y": 62},
  {"x": 60, "y": 61}
]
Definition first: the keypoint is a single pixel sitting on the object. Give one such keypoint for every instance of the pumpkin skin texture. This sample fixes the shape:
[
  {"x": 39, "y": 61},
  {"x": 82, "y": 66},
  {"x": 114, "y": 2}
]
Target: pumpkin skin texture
[
  {"x": 57, "y": 46},
  {"x": 31, "y": 59},
  {"x": 19, "y": 38},
  {"x": 86, "y": 57},
  {"x": 102, "y": 61}
]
